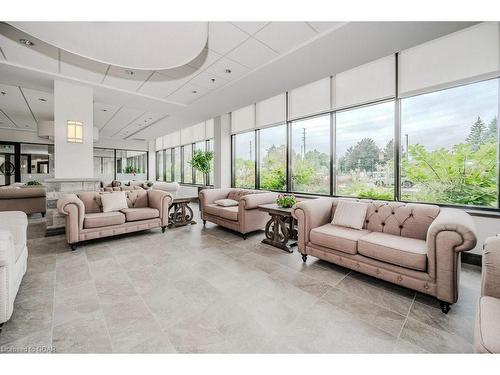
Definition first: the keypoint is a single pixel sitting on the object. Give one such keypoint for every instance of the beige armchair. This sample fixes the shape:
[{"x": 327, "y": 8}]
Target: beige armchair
[
  {"x": 487, "y": 331},
  {"x": 85, "y": 220},
  {"x": 244, "y": 218},
  {"x": 29, "y": 200},
  {"x": 413, "y": 245}
]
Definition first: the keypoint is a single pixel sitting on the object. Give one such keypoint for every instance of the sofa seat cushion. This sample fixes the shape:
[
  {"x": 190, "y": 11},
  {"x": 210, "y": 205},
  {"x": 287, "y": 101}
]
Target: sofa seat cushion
[
  {"x": 103, "y": 219},
  {"x": 229, "y": 213},
  {"x": 487, "y": 335},
  {"x": 337, "y": 237},
  {"x": 143, "y": 213},
  {"x": 401, "y": 251}
]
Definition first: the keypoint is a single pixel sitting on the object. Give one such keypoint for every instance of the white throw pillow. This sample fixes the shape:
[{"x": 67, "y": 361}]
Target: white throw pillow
[
  {"x": 350, "y": 214},
  {"x": 226, "y": 202},
  {"x": 114, "y": 201}
]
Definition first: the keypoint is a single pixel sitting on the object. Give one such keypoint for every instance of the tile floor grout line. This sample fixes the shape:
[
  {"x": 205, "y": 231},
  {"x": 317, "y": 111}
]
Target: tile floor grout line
[{"x": 407, "y": 316}]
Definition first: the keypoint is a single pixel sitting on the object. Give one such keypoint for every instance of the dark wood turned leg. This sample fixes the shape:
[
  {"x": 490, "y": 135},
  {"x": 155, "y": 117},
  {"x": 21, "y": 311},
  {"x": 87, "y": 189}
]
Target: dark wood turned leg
[
  {"x": 304, "y": 257},
  {"x": 43, "y": 214},
  {"x": 204, "y": 222},
  {"x": 163, "y": 229},
  {"x": 244, "y": 236},
  {"x": 445, "y": 306},
  {"x": 73, "y": 246}
]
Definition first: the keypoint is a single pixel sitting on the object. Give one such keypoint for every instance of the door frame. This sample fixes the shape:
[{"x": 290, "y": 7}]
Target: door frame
[{"x": 17, "y": 158}]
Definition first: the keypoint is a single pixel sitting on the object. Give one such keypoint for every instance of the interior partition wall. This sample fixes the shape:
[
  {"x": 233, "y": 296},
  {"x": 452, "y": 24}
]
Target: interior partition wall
[{"x": 122, "y": 165}]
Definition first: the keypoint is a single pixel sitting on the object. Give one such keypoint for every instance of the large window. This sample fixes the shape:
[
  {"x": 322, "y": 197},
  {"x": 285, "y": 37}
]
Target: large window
[
  {"x": 160, "y": 171},
  {"x": 199, "y": 146},
  {"x": 365, "y": 151},
  {"x": 37, "y": 162},
  {"x": 244, "y": 160},
  {"x": 272, "y": 155},
  {"x": 210, "y": 147},
  {"x": 311, "y": 155},
  {"x": 177, "y": 164},
  {"x": 187, "y": 169},
  {"x": 449, "y": 144},
  {"x": 104, "y": 164},
  {"x": 131, "y": 165},
  {"x": 168, "y": 165}
]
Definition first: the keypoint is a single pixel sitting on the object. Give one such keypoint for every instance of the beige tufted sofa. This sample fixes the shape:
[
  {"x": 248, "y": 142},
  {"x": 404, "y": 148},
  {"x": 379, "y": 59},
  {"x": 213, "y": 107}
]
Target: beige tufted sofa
[
  {"x": 244, "y": 218},
  {"x": 85, "y": 220},
  {"x": 414, "y": 245},
  {"x": 487, "y": 332}
]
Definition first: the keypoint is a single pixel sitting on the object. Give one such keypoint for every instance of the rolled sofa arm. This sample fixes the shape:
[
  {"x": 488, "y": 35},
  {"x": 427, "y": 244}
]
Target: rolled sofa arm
[
  {"x": 161, "y": 200},
  {"x": 311, "y": 214},
  {"x": 16, "y": 222},
  {"x": 73, "y": 208},
  {"x": 490, "y": 285},
  {"x": 208, "y": 196},
  {"x": 454, "y": 220},
  {"x": 252, "y": 201}
]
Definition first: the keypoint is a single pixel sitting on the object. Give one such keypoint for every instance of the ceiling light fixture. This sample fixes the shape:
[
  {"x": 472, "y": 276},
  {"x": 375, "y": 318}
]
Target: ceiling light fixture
[
  {"x": 228, "y": 71},
  {"x": 213, "y": 80},
  {"x": 194, "y": 92},
  {"x": 26, "y": 42},
  {"x": 129, "y": 72},
  {"x": 104, "y": 110},
  {"x": 42, "y": 99},
  {"x": 3, "y": 93}
]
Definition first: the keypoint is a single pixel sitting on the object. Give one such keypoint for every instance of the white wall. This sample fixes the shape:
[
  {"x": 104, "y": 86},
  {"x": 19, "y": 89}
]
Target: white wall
[
  {"x": 152, "y": 160},
  {"x": 17, "y": 135},
  {"x": 73, "y": 102},
  {"x": 222, "y": 151},
  {"x": 124, "y": 144},
  {"x": 486, "y": 227}
]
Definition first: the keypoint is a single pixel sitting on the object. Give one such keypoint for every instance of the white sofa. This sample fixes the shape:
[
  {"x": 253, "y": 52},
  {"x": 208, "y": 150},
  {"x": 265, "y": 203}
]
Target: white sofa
[{"x": 13, "y": 259}]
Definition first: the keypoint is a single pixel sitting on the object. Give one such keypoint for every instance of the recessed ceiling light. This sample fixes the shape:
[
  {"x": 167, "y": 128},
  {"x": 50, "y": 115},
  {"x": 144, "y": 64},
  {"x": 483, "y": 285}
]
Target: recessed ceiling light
[
  {"x": 228, "y": 71},
  {"x": 42, "y": 99},
  {"x": 129, "y": 72},
  {"x": 213, "y": 80},
  {"x": 3, "y": 93},
  {"x": 26, "y": 42},
  {"x": 194, "y": 92}
]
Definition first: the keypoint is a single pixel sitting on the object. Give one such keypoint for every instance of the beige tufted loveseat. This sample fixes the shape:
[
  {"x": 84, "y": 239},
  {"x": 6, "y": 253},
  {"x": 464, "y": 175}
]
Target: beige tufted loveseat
[{"x": 414, "y": 245}]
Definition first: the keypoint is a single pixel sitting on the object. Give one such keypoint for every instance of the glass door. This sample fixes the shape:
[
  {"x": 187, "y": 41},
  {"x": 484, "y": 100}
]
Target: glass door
[{"x": 9, "y": 168}]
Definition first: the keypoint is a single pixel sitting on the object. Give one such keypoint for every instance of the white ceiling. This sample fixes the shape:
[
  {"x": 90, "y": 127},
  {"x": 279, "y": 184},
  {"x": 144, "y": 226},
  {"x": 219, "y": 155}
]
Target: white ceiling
[{"x": 265, "y": 58}]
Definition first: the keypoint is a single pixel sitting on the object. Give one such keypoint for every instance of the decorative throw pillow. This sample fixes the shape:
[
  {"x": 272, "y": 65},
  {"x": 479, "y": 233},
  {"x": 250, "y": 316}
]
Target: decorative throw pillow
[
  {"x": 226, "y": 202},
  {"x": 350, "y": 214},
  {"x": 114, "y": 202}
]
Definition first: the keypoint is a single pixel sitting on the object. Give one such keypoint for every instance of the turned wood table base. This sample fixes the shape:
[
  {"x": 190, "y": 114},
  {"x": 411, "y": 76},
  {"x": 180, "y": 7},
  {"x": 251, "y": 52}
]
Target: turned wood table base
[
  {"x": 280, "y": 228},
  {"x": 180, "y": 214}
]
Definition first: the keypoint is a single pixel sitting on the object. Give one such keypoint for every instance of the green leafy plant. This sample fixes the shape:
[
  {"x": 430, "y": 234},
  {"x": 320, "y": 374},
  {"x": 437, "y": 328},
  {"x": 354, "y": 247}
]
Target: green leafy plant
[
  {"x": 130, "y": 169},
  {"x": 286, "y": 200},
  {"x": 202, "y": 162},
  {"x": 33, "y": 183}
]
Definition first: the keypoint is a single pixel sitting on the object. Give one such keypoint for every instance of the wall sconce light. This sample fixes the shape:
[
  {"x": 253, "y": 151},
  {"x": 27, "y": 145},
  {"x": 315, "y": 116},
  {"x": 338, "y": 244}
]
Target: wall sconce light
[{"x": 75, "y": 131}]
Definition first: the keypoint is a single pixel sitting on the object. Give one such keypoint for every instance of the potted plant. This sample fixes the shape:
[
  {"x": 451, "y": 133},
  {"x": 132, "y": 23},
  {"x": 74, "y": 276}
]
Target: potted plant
[
  {"x": 202, "y": 162},
  {"x": 149, "y": 184},
  {"x": 130, "y": 170},
  {"x": 286, "y": 200},
  {"x": 33, "y": 183}
]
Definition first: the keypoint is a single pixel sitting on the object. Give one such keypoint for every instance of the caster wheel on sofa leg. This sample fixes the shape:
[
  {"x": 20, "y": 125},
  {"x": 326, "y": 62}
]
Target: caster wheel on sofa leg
[
  {"x": 445, "y": 306},
  {"x": 163, "y": 229},
  {"x": 73, "y": 246},
  {"x": 304, "y": 257}
]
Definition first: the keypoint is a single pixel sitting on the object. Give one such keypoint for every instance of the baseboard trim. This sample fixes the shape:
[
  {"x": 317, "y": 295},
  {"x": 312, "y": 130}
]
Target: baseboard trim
[{"x": 471, "y": 258}]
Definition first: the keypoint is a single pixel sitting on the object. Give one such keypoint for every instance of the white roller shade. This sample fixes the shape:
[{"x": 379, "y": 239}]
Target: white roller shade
[
  {"x": 172, "y": 139},
  {"x": 366, "y": 83},
  {"x": 271, "y": 111},
  {"x": 209, "y": 128},
  {"x": 187, "y": 135},
  {"x": 159, "y": 143},
  {"x": 459, "y": 57},
  {"x": 243, "y": 119},
  {"x": 199, "y": 132},
  {"x": 310, "y": 99}
]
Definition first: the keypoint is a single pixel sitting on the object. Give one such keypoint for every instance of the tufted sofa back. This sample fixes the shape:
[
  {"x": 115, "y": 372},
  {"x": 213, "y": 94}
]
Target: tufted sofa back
[
  {"x": 236, "y": 194},
  {"x": 397, "y": 218}
]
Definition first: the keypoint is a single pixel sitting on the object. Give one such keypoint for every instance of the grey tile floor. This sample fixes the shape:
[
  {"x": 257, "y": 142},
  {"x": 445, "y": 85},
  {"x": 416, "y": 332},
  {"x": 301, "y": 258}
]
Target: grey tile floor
[{"x": 206, "y": 290}]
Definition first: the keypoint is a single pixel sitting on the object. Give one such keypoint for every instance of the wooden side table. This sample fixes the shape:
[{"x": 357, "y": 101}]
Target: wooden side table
[
  {"x": 280, "y": 228},
  {"x": 180, "y": 213}
]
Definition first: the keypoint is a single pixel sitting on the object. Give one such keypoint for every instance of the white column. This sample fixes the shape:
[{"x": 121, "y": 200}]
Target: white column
[
  {"x": 152, "y": 160},
  {"x": 222, "y": 151},
  {"x": 73, "y": 102}
]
